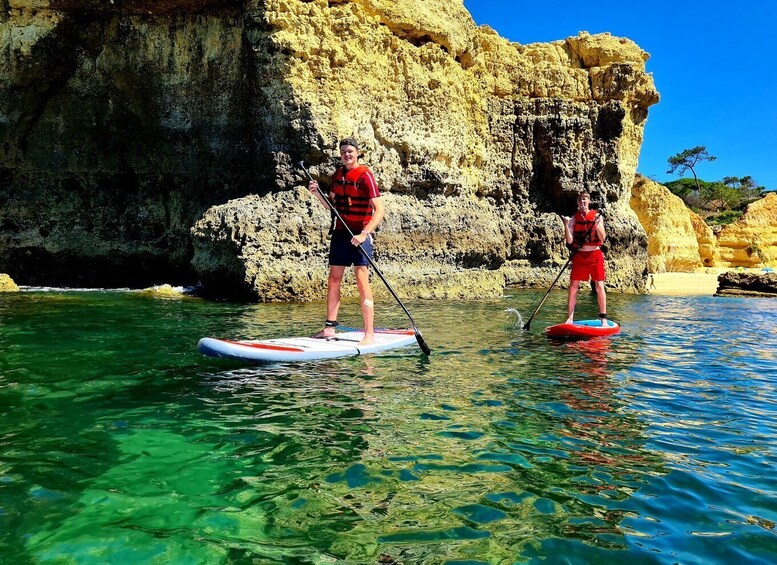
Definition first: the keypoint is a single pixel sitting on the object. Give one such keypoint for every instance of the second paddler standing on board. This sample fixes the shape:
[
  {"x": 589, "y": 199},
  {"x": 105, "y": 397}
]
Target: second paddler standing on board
[
  {"x": 355, "y": 195},
  {"x": 585, "y": 233}
]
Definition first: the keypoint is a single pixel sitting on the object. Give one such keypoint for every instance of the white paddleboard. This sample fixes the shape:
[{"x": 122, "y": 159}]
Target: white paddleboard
[{"x": 343, "y": 344}]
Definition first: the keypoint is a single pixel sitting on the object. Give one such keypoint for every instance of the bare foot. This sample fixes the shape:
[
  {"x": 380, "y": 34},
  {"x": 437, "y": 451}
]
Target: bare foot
[
  {"x": 368, "y": 339},
  {"x": 326, "y": 332},
  {"x": 569, "y": 321}
]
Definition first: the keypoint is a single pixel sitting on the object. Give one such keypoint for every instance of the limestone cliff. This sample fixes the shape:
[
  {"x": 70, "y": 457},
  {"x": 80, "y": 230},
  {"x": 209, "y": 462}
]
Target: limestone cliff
[
  {"x": 751, "y": 241},
  {"x": 678, "y": 239},
  {"x": 123, "y": 122}
]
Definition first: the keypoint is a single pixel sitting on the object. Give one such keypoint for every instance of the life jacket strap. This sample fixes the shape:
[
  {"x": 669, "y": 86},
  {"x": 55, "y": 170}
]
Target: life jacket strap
[{"x": 333, "y": 221}]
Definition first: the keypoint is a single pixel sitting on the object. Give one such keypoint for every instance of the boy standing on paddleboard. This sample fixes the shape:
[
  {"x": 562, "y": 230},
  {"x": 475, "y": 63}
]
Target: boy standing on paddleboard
[
  {"x": 355, "y": 195},
  {"x": 585, "y": 233}
]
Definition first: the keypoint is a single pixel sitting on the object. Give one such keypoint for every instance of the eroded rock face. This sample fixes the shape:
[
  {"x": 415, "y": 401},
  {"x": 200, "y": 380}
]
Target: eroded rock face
[
  {"x": 247, "y": 250},
  {"x": 122, "y": 128},
  {"x": 118, "y": 130},
  {"x": 678, "y": 239},
  {"x": 751, "y": 241}
]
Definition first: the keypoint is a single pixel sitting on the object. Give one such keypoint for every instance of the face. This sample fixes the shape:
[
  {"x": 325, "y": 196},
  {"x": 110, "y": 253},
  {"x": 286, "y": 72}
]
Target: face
[
  {"x": 583, "y": 203},
  {"x": 349, "y": 155}
]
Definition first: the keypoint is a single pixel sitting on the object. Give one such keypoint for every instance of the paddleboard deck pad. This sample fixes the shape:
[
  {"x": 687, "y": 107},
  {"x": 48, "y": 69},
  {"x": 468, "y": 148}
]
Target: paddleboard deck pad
[
  {"x": 343, "y": 344},
  {"x": 583, "y": 329}
]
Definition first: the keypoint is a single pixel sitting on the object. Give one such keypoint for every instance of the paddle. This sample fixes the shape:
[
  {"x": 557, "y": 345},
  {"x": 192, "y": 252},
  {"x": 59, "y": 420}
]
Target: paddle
[
  {"x": 418, "y": 337},
  {"x": 564, "y": 268}
]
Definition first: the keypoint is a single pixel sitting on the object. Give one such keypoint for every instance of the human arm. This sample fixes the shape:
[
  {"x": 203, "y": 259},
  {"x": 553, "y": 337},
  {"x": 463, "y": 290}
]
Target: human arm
[
  {"x": 569, "y": 228},
  {"x": 599, "y": 227},
  {"x": 315, "y": 189},
  {"x": 378, "y": 211}
]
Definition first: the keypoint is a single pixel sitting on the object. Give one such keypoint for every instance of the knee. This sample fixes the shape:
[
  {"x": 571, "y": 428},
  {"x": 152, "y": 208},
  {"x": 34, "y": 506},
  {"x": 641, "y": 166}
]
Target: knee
[
  {"x": 362, "y": 277},
  {"x": 364, "y": 288},
  {"x": 335, "y": 279}
]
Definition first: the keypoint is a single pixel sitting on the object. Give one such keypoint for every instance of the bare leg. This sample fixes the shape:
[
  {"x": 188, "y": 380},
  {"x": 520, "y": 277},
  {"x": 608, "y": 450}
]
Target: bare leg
[
  {"x": 601, "y": 298},
  {"x": 368, "y": 306},
  {"x": 333, "y": 296},
  {"x": 572, "y": 301}
]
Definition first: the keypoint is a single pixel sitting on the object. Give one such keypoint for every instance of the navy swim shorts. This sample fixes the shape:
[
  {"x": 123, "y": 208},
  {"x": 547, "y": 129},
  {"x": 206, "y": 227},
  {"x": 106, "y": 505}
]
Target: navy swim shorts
[{"x": 343, "y": 253}]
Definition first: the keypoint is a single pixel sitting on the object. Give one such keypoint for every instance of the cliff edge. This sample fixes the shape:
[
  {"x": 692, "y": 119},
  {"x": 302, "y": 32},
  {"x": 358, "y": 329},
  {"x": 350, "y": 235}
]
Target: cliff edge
[{"x": 147, "y": 142}]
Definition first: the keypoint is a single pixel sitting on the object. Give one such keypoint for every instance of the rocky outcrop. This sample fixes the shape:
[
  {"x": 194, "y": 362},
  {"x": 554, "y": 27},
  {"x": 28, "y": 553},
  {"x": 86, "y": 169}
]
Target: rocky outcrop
[
  {"x": 275, "y": 258},
  {"x": 678, "y": 239},
  {"x": 123, "y": 123},
  {"x": 7, "y": 284},
  {"x": 751, "y": 241},
  {"x": 734, "y": 283}
]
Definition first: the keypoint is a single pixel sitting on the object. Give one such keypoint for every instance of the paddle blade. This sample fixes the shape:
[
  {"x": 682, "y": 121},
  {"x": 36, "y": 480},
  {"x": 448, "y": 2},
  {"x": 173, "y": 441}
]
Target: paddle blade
[
  {"x": 421, "y": 343},
  {"x": 526, "y": 326}
]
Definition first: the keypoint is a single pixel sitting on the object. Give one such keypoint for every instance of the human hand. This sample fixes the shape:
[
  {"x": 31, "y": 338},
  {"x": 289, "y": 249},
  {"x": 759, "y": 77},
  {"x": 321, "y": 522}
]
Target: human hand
[
  {"x": 313, "y": 186},
  {"x": 360, "y": 238}
]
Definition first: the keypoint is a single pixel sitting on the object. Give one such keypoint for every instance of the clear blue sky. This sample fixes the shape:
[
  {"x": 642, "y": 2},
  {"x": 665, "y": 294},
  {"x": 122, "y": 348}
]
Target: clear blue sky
[{"x": 714, "y": 63}]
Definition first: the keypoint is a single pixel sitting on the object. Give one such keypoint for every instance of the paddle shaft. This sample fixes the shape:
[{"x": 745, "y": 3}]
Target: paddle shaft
[
  {"x": 419, "y": 338},
  {"x": 561, "y": 272}
]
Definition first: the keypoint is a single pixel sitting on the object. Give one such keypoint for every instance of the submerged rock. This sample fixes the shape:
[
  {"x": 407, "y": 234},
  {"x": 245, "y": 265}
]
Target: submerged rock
[
  {"x": 7, "y": 284},
  {"x": 166, "y": 291}
]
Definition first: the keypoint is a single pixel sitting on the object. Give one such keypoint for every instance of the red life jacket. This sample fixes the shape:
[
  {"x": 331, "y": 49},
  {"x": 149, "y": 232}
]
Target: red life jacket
[
  {"x": 585, "y": 232},
  {"x": 352, "y": 197}
]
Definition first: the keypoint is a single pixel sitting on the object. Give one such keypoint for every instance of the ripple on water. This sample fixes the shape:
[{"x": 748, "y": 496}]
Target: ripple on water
[{"x": 653, "y": 446}]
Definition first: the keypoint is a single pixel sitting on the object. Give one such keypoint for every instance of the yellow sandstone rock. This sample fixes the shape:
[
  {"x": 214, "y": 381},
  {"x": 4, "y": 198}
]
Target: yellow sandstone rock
[
  {"x": 708, "y": 243},
  {"x": 209, "y": 102},
  {"x": 751, "y": 241},
  {"x": 678, "y": 239},
  {"x": 422, "y": 64},
  {"x": 7, "y": 284},
  {"x": 164, "y": 291}
]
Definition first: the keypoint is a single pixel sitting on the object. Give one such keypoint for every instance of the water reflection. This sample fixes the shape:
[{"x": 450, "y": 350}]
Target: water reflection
[{"x": 122, "y": 444}]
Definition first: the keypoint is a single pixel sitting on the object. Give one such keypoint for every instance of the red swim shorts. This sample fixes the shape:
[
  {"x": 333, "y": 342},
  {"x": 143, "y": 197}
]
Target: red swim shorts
[{"x": 588, "y": 264}]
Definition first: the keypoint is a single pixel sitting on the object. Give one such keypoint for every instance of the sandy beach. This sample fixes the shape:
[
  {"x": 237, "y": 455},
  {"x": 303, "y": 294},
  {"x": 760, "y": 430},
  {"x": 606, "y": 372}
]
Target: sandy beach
[{"x": 703, "y": 281}]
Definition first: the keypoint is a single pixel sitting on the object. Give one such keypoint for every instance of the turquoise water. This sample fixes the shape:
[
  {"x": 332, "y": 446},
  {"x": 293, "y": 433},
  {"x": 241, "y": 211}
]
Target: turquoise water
[{"x": 120, "y": 444}]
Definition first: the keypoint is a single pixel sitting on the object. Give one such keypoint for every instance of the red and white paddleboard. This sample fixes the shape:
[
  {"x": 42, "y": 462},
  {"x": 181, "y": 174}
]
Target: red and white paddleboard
[
  {"x": 583, "y": 329},
  {"x": 343, "y": 344}
]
